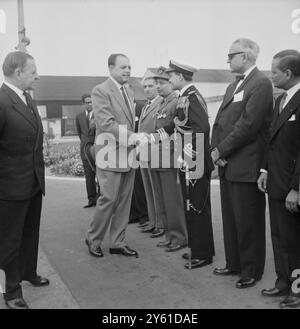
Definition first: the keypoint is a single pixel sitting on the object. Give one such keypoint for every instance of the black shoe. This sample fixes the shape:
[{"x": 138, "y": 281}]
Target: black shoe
[
  {"x": 126, "y": 251},
  {"x": 225, "y": 271},
  {"x": 16, "y": 304},
  {"x": 38, "y": 281},
  {"x": 163, "y": 244},
  {"x": 157, "y": 233},
  {"x": 290, "y": 302},
  {"x": 148, "y": 229},
  {"x": 197, "y": 263},
  {"x": 185, "y": 256},
  {"x": 275, "y": 292},
  {"x": 90, "y": 204},
  {"x": 245, "y": 283},
  {"x": 175, "y": 247},
  {"x": 94, "y": 250}
]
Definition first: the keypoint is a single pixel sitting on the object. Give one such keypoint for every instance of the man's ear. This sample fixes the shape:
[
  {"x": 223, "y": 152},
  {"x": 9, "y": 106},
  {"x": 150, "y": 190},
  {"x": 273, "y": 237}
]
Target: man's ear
[{"x": 289, "y": 74}]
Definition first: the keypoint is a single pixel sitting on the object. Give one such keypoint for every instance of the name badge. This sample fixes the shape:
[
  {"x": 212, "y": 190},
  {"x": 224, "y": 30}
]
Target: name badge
[{"x": 238, "y": 97}]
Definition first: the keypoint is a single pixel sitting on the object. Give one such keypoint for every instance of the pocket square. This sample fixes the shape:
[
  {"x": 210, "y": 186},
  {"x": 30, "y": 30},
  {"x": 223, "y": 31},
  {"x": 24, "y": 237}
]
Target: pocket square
[{"x": 292, "y": 118}]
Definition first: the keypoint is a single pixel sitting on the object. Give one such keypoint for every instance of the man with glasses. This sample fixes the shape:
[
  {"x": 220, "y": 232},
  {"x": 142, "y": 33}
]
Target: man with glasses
[
  {"x": 86, "y": 132},
  {"x": 239, "y": 142}
]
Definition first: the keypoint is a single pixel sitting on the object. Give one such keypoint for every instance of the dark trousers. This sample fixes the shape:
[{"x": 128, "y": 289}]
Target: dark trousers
[
  {"x": 285, "y": 234},
  {"x": 138, "y": 210},
  {"x": 19, "y": 239},
  {"x": 243, "y": 213},
  {"x": 89, "y": 181},
  {"x": 199, "y": 226}
]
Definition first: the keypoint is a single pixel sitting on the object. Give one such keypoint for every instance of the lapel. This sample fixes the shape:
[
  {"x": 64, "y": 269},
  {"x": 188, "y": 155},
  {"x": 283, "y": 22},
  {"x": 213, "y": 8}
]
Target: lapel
[
  {"x": 19, "y": 106},
  {"x": 230, "y": 93},
  {"x": 286, "y": 113},
  {"x": 83, "y": 120},
  {"x": 118, "y": 96},
  {"x": 151, "y": 107}
]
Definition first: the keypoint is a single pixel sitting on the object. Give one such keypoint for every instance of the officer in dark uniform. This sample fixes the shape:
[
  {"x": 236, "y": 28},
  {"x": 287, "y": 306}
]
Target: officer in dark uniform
[{"x": 192, "y": 120}]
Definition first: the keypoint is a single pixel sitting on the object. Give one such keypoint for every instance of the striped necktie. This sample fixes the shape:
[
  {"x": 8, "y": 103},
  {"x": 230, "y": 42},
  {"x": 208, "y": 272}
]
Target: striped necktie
[{"x": 282, "y": 101}]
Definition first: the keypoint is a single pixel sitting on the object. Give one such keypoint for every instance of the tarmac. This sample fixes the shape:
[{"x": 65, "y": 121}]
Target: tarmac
[{"x": 155, "y": 280}]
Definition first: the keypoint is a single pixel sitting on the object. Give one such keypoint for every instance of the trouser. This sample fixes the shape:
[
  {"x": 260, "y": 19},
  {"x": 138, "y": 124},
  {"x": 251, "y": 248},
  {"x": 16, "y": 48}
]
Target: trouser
[{"x": 89, "y": 181}]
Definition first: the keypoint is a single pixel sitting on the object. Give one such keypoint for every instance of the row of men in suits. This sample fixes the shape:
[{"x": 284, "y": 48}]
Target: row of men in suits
[{"x": 257, "y": 149}]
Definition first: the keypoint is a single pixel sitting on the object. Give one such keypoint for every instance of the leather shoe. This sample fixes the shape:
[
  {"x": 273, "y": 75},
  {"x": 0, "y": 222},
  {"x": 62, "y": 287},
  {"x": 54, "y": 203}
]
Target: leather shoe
[
  {"x": 224, "y": 271},
  {"x": 126, "y": 251},
  {"x": 16, "y": 304},
  {"x": 245, "y": 283},
  {"x": 94, "y": 250},
  {"x": 157, "y": 233},
  {"x": 163, "y": 244},
  {"x": 290, "y": 302},
  {"x": 185, "y": 256},
  {"x": 148, "y": 229},
  {"x": 38, "y": 281},
  {"x": 90, "y": 204},
  {"x": 274, "y": 292},
  {"x": 174, "y": 247},
  {"x": 196, "y": 263}
]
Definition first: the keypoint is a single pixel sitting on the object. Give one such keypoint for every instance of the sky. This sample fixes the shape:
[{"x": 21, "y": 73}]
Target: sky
[{"x": 75, "y": 37}]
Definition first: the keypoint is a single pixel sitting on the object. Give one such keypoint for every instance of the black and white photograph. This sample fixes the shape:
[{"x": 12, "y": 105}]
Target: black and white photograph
[{"x": 149, "y": 157}]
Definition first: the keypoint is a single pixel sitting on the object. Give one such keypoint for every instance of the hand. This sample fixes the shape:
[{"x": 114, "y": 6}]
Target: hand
[
  {"x": 221, "y": 163},
  {"x": 215, "y": 155},
  {"x": 291, "y": 201},
  {"x": 262, "y": 182},
  {"x": 141, "y": 139},
  {"x": 181, "y": 163}
]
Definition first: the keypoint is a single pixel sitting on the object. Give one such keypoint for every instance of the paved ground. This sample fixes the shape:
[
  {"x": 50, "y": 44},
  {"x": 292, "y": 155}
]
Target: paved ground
[{"x": 155, "y": 280}]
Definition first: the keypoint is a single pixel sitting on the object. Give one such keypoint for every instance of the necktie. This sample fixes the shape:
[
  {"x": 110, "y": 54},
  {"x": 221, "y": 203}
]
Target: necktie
[
  {"x": 29, "y": 104},
  {"x": 240, "y": 77},
  {"x": 282, "y": 102},
  {"x": 126, "y": 99}
]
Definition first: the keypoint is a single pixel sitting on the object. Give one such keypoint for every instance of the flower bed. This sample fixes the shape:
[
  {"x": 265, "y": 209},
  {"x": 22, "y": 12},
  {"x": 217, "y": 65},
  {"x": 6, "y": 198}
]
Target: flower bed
[{"x": 63, "y": 159}]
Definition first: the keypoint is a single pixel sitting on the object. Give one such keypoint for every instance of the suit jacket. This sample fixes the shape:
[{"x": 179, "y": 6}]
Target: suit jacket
[
  {"x": 283, "y": 156},
  {"x": 241, "y": 129},
  {"x": 114, "y": 126},
  {"x": 85, "y": 133},
  {"x": 147, "y": 121},
  {"x": 21, "y": 148}
]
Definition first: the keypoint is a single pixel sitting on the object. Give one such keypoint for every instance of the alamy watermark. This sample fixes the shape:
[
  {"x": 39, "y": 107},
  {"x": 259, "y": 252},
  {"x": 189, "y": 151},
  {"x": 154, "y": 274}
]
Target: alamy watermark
[
  {"x": 2, "y": 21},
  {"x": 296, "y": 22},
  {"x": 2, "y": 281},
  {"x": 177, "y": 151}
]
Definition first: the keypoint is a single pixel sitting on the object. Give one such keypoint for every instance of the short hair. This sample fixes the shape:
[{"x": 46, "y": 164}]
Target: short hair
[
  {"x": 250, "y": 47},
  {"x": 289, "y": 59},
  {"x": 186, "y": 77},
  {"x": 113, "y": 57},
  {"x": 14, "y": 60},
  {"x": 84, "y": 96}
]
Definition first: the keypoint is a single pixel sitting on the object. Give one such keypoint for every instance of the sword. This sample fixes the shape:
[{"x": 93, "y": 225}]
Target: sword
[{"x": 188, "y": 204}]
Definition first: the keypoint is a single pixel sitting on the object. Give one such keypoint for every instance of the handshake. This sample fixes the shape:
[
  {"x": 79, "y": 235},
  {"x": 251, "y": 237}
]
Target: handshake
[{"x": 141, "y": 139}]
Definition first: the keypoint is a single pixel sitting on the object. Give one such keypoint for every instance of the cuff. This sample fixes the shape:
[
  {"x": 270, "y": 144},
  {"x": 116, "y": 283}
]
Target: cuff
[{"x": 263, "y": 171}]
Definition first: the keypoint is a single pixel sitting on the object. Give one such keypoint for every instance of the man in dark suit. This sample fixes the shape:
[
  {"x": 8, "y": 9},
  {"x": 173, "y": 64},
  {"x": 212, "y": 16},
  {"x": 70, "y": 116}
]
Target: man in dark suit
[
  {"x": 21, "y": 178},
  {"x": 280, "y": 176},
  {"x": 86, "y": 132},
  {"x": 239, "y": 142}
]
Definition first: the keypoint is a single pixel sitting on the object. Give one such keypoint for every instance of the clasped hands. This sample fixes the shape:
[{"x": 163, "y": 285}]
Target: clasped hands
[{"x": 142, "y": 139}]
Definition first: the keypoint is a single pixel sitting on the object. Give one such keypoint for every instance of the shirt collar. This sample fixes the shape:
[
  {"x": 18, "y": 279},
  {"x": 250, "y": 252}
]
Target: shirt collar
[
  {"x": 119, "y": 86},
  {"x": 185, "y": 88},
  {"x": 249, "y": 71},
  {"x": 292, "y": 91},
  {"x": 153, "y": 100},
  {"x": 17, "y": 90}
]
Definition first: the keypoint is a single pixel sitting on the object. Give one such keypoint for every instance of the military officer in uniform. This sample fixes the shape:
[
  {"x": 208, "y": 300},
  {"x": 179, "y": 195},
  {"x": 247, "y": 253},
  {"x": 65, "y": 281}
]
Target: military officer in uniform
[
  {"x": 191, "y": 118},
  {"x": 168, "y": 191}
]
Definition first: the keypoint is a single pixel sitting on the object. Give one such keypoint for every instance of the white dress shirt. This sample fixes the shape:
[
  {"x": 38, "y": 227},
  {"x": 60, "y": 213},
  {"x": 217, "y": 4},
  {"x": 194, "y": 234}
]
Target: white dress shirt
[
  {"x": 245, "y": 74},
  {"x": 18, "y": 91}
]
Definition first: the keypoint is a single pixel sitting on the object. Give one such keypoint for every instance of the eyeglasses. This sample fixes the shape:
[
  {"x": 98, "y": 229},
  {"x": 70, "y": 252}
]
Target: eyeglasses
[
  {"x": 230, "y": 56},
  {"x": 88, "y": 103}
]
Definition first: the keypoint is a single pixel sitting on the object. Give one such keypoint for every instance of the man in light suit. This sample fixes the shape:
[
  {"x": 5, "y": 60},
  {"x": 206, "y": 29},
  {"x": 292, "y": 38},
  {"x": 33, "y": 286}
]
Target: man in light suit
[
  {"x": 147, "y": 125},
  {"x": 86, "y": 132},
  {"x": 114, "y": 110},
  {"x": 239, "y": 142},
  {"x": 22, "y": 181},
  {"x": 280, "y": 176}
]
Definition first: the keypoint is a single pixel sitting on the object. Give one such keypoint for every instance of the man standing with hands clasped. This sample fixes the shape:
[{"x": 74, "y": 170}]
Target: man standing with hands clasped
[
  {"x": 239, "y": 142},
  {"x": 280, "y": 177}
]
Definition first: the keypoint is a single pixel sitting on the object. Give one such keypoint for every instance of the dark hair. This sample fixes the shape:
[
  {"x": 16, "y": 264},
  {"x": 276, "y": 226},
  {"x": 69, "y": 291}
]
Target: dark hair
[
  {"x": 84, "y": 96},
  {"x": 14, "y": 60},
  {"x": 185, "y": 76},
  {"x": 113, "y": 57},
  {"x": 289, "y": 59}
]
